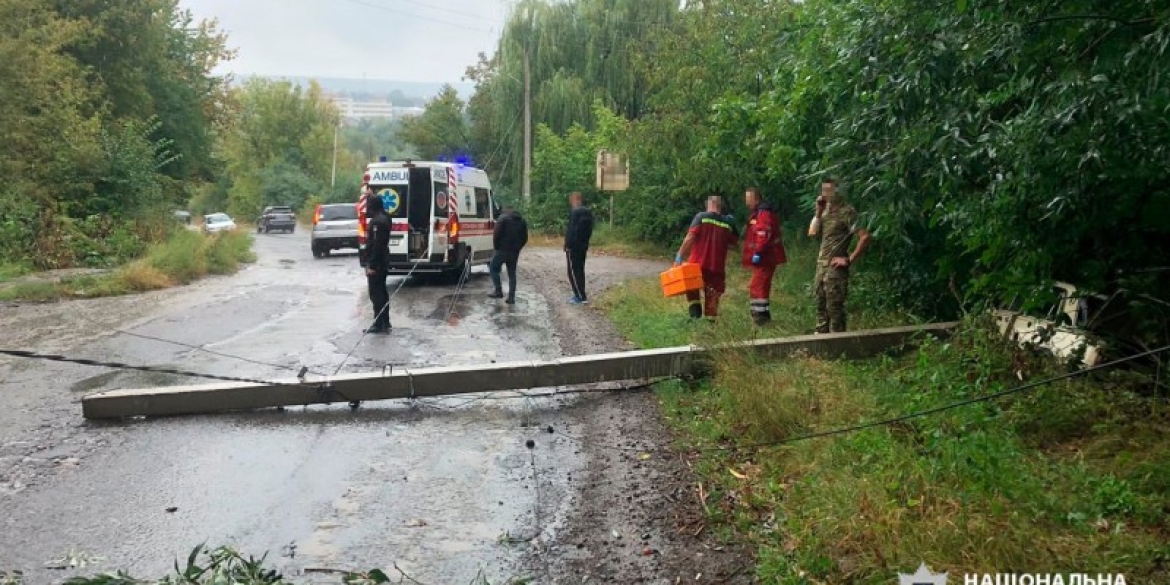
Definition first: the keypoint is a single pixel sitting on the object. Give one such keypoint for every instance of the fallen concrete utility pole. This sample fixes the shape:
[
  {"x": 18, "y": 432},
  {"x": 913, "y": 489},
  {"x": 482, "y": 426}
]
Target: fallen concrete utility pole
[{"x": 445, "y": 381}]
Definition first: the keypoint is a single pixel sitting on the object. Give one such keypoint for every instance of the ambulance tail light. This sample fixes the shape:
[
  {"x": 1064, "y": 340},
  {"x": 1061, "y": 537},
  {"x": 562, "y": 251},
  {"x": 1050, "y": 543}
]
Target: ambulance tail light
[
  {"x": 453, "y": 230},
  {"x": 361, "y": 213}
]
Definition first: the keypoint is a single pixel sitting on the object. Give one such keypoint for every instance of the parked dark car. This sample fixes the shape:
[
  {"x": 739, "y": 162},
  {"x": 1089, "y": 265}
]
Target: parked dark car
[{"x": 277, "y": 218}]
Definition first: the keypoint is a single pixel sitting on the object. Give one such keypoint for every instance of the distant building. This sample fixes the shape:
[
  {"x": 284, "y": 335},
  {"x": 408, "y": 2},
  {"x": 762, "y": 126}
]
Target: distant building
[{"x": 408, "y": 111}]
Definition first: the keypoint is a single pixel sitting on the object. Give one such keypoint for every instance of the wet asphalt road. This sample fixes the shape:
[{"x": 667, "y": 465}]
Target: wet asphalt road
[{"x": 433, "y": 485}]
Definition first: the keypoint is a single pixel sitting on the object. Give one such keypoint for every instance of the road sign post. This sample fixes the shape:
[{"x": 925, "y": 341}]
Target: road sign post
[{"x": 613, "y": 174}]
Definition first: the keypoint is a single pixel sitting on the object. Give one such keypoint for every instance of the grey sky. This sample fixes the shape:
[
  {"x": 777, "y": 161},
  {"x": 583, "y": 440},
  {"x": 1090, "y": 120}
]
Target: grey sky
[{"x": 407, "y": 40}]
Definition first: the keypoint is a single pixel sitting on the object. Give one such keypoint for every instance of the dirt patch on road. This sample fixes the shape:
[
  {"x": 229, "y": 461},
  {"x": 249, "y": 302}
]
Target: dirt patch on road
[{"x": 638, "y": 518}]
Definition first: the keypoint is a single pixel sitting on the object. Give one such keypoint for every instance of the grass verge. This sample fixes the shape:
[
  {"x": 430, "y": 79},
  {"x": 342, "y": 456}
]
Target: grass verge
[
  {"x": 182, "y": 258},
  {"x": 609, "y": 241},
  {"x": 1071, "y": 477},
  {"x": 9, "y": 271}
]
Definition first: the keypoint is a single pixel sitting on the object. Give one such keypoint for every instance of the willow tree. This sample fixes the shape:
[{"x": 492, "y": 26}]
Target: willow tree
[{"x": 576, "y": 52}]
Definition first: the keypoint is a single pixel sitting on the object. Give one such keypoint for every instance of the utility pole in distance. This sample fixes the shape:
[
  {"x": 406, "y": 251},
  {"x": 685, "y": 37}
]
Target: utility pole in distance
[
  {"x": 333, "y": 174},
  {"x": 526, "y": 185}
]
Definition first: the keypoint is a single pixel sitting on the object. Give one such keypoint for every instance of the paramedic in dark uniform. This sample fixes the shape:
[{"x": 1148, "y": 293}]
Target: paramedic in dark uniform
[
  {"x": 708, "y": 241},
  {"x": 378, "y": 244}
]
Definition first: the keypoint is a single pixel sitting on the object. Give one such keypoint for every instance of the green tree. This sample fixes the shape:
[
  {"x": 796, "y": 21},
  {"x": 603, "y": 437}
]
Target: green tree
[
  {"x": 281, "y": 135},
  {"x": 99, "y": 103},
  {"x": 441, "y": 130},
  {"x": 154, "y": 61}
]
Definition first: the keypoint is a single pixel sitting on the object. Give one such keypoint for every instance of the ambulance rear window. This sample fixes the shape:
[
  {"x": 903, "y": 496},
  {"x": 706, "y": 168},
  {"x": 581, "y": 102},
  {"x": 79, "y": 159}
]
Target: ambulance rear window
[
  {"x": 393, "y": 198},
  {"x": 338, "y": 212},
  {"x": 483, "y": 207}
]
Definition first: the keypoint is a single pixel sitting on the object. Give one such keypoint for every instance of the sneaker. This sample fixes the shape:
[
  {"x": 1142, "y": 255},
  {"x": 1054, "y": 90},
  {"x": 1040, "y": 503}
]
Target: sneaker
[
  {"x": 377, "y": 330},
  {"x": 577, "y": 301},
  {"x": 495, "y": 295}
]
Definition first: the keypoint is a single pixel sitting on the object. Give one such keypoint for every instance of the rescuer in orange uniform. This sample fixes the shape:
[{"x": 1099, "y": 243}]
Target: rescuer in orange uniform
[
  {"x": 708, "y": 240},
  {"x": 763, "y": 251}
]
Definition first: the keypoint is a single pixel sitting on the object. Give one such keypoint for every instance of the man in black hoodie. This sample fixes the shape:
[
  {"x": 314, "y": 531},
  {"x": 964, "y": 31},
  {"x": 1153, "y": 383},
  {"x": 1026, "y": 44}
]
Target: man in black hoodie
[
  {"x": 577, "y": 236},
  {"x": 378, "y": 264},
  {"x": 511, "y": 235}
]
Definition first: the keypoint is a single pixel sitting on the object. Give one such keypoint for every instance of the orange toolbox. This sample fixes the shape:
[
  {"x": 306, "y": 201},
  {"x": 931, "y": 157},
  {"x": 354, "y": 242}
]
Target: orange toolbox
[{"x": 681, "y": 279}]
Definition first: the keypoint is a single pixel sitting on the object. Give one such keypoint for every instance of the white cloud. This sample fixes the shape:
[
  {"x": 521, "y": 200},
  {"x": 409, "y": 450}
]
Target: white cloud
[{"x": 408, "y": 40}]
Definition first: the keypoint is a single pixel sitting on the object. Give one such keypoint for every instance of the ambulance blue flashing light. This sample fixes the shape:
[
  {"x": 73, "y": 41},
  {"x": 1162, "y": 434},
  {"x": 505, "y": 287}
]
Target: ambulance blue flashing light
[{"x": 383, "y": 158}]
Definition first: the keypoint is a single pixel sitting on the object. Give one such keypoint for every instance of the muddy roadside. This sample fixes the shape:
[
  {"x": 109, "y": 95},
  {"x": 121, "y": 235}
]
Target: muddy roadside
[{"x": 637, "y": 518}]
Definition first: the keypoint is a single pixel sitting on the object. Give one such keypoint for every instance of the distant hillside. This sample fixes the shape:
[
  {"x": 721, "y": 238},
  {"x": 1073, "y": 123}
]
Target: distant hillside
[{"x": 416, "y": 90}]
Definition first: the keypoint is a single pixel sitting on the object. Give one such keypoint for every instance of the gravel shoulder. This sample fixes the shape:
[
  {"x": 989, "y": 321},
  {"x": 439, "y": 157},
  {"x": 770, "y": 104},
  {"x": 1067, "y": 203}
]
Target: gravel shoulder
[{"x": 627, "y": 504}]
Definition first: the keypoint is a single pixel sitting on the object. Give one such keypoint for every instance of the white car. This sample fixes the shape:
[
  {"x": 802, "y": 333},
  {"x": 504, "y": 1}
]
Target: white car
[{"x": 218, "y": 222}]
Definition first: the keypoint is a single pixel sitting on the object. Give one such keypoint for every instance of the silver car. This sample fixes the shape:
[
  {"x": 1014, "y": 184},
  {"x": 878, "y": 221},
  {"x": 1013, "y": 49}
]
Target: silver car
[
  {"x": 218, "y": 222},
  {"x": 335, "y": 226}
]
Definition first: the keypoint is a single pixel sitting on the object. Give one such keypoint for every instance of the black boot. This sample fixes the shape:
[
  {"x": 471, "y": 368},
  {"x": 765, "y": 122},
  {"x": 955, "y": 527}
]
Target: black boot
[
  {"x": 696, "y": 311},
  {"x": 496, "y": 294},
  {"x": 511, "y": 300}
]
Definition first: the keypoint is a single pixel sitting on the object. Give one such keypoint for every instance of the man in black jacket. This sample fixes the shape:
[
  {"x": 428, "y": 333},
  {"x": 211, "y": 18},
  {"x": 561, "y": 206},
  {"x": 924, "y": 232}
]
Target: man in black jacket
[
  {"x": 510, "y": 237},
  {"x": 577, "y": 237},
  {"x": 378, "y": 264}
]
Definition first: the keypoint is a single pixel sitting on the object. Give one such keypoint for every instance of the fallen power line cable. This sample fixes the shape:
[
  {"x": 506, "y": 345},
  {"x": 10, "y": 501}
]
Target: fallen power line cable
[
  {"x": 385, "y": 308},
  {"x": 876, "y": 423},
  {"x": 943, "y": 408},
  {"x": 216, "y": 353},
  {"x": 122, "y": 366}
]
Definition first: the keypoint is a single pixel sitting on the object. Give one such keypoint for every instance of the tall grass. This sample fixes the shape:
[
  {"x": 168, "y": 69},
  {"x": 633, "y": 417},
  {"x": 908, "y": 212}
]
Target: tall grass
[
  {"x": 9, "y": 271},
  {"x": 648, "y": 319},
  {"x": 180, "y": 259},
  {"x": 1073, "y": 476}
]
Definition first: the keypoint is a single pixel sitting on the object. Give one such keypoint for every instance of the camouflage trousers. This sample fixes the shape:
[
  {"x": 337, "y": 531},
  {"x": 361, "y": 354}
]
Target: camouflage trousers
[{"x": 832, "y": 288}]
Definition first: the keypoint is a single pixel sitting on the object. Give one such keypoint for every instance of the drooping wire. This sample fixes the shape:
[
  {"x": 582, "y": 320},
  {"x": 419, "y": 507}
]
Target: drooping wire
[
  {"x": 214, "y": 352},
  {"x": 385, "y": 307},
  {"x": 938, "y": 409},
  {"x": 123, "y": 366},
  {"x": 464, "y": 276}
]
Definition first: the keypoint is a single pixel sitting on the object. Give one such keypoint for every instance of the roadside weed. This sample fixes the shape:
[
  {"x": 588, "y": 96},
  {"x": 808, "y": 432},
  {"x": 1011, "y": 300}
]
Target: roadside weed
[
  {"x": 1070, "y": 475},
  {"x": 184, "y": 257},
  {"x": 224, "y": 565}
]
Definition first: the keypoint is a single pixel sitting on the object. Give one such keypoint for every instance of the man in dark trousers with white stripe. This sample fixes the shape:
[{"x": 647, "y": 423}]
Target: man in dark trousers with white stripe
[{"x": 577, "y": 236}]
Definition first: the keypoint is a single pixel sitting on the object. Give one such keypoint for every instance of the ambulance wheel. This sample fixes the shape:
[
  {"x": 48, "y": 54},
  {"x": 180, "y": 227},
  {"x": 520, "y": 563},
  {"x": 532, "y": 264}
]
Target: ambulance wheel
[{"x": 454, "y": 274}]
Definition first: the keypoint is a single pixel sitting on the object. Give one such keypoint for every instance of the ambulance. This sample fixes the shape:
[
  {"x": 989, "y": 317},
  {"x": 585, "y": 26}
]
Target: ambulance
[{"x": 442, "y": 216}]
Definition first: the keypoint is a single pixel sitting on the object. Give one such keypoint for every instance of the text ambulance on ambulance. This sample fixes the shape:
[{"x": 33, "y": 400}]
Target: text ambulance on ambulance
[{"x": 442, "y": 216}]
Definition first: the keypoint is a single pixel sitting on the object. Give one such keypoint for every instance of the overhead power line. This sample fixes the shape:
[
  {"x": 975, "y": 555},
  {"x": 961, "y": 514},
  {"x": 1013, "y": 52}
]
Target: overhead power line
[
  {"x": 945, "y": 407},
  {"x": 420, "y": 16}
]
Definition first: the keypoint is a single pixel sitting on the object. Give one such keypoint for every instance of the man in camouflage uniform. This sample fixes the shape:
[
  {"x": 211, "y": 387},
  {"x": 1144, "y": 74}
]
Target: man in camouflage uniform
[{"x": 836, "y": 221}]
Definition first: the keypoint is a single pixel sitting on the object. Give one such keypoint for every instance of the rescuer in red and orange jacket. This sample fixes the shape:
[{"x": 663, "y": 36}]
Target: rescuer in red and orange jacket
[
  {"x": 763, "y": 251},
  {"x": 708, "y": 240}
]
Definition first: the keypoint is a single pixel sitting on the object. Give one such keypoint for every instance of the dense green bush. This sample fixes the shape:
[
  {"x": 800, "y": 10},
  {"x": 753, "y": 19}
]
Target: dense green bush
[{"x": 992, "y": 147}]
